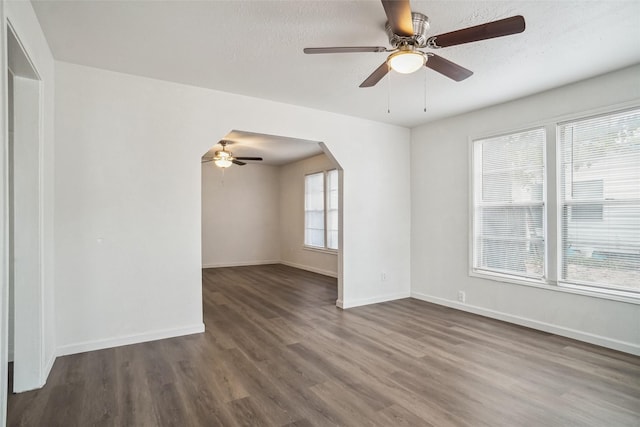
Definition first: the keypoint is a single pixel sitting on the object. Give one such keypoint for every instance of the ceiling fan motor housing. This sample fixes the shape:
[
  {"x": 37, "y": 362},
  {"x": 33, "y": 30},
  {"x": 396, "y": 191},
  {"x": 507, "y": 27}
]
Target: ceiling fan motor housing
[{"x": 419, "y": 38}]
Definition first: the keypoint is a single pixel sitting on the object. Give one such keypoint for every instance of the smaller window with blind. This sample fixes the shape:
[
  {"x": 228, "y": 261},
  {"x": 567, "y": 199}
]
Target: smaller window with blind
[
  {"x": 600, "y": 201},
  {"x": 509, "y": 205},
  {"x": 332, "y": 209},
  {"x": 321, "y": 197}
]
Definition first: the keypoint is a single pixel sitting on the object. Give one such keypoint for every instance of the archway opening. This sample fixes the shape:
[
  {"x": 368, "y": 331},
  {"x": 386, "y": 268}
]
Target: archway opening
[{"x": 266, "y": 213}]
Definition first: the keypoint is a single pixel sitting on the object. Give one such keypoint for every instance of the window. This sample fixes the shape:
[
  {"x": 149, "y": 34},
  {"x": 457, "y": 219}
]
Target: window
[
  {"x": 509, "y": 204},
  {"x": 600, "y": 201},
  {"x": 332, "y": 209},
  {"x": 321, "y": 210},
  {"x": 314, "y": 210},
  {"x": 594, "y": 241}
]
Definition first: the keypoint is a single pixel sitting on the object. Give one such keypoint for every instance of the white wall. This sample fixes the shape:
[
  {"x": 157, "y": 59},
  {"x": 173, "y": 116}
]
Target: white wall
[
  {"x": 293, "y": 252},
  {"x": 240, "y": 215},
  {"x": 128, "y": 179},
  {"x": 440, "y": 219}
]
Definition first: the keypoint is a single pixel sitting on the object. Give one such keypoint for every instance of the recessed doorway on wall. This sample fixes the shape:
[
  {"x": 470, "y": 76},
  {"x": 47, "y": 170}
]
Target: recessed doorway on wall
[
  {"x": 254, "y": 214},
  {"x": 25, "y": 334}
]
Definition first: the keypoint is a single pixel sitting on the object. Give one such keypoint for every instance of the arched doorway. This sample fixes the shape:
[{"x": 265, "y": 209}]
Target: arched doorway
[{"x": 254, "y": 214}]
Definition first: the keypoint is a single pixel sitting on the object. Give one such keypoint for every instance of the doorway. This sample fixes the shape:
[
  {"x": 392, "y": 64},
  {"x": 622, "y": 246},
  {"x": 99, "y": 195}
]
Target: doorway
[
  {"x": 255, "y": 214},
  {"x": 25, "y": 326}
]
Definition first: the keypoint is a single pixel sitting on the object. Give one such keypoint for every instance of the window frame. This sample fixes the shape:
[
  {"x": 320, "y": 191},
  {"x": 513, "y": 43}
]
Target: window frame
[
  {"x": 324, "y": 209},
  {"x": 477, "y": 272},
  {"x": 327, "y": 196},
  {"x": 603, "y": 290},
  {"x": 325, "y": 248},
  {"x": 553, "y": 213}
]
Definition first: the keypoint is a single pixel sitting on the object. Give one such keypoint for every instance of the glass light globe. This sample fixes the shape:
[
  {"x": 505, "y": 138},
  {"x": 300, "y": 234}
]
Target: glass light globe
[
  {"x": 222, "y": 162},
  {"x": 406, "y": 62},
  {"x": 222, "y": 159}
]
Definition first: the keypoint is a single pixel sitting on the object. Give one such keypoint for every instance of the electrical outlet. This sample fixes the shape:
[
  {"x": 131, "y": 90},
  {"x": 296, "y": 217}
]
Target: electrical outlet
[
  {"x": 462, "y": 296},
  {"x": 383, "y": 276}
]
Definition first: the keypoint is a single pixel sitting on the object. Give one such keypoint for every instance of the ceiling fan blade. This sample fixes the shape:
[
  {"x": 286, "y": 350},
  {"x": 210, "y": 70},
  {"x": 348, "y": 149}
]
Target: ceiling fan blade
[
  {"x": 237, "y": 162},
  {"x": 447, "y": 68},
  {"x": 399, "y": 16},
  {"x": 490, "y": 30},
  {"x": 248, "y": 158},
  {"x": 353, "y": 49},
  {"x": 206, "y": 160},
  {"x": 376, "y": 76}
]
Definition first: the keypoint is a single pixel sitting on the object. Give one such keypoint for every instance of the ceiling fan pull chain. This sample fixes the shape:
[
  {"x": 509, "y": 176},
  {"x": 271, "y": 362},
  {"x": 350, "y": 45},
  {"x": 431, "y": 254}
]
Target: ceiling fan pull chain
[
  {"x": 425, "y": 90},
  {"x": 389, "y": 91}
]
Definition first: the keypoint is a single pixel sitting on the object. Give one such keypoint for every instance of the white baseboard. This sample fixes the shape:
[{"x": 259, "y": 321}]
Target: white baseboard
[
  {"x": 339, "y": 303},
  {"x": 47, "y": 369},
  {"x": 309, "y": 268},
  {"x": 128, "y": 339},
  {"x": 373, "y": 300},
  {"x": 614, "y": 344},
  {"x": 290, "y": 264},
  {"x": 240, "y": 264}
]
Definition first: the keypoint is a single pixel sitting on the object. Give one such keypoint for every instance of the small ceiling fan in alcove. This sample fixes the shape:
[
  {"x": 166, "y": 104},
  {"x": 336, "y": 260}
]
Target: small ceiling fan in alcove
[
  {"x": 407, "y": 32},
  {"x": 224, "y": 159}
]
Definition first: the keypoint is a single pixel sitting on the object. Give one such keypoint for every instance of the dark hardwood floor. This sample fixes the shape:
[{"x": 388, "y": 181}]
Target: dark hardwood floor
[{"x": 277, "y": 351}]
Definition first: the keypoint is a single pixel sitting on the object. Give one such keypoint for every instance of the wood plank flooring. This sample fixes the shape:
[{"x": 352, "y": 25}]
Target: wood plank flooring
[{"x": 277, "y": 352}]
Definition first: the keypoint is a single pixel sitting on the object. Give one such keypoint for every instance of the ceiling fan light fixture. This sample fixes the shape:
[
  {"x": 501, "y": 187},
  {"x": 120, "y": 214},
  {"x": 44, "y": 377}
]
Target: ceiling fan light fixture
[
  {"x": 222, "y": 162},
  {"x": 406, "y": 61},
  {"x": 222, "y": 159}
]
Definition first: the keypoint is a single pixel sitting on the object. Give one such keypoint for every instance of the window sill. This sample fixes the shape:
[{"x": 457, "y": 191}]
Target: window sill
[
  {"x": 621, "y": 296},
  {"x": 321, "y": 250}
]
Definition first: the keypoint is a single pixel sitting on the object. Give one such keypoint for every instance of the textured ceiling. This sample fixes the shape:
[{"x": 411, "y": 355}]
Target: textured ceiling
[
  {"x": 274, "y": 150},
  {"x": 255, "y": 48}
]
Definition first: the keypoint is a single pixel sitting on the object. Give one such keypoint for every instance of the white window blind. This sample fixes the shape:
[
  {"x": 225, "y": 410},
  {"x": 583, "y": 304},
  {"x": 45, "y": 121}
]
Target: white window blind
[
  {"x": 332, "y": 209},
  {"x": 600, "y": 201},
  {"x": 314, "y": 210},
  {"x": 509, "y": 204}
]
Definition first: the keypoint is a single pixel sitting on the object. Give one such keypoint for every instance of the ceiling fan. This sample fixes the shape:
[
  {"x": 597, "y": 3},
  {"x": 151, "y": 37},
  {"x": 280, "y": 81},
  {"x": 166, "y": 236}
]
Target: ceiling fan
[
  {"x": 224, "y": 158},
  {"x": 407, "y": 32}
]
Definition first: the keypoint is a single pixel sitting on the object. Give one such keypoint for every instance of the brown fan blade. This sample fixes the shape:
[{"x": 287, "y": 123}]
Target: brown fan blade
[
  {"x": 206, "y": 160},
  {"x": 399, "y": 16},
  {"x": 248, "y": 158},
  {"x": 353, "y": 49},
  {"x": 376, "y": 76},
  {"x": 447, "y": 68},
  {"x": 490, "y": 30},
  {"x": 237, "y": 162}
]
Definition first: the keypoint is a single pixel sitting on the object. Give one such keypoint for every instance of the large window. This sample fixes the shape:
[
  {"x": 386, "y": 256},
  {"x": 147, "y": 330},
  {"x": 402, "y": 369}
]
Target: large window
[
  {"x": 590, "y": 230},
  {"x": 600, "y": 201},
  {"x": 509, "y": 204},
  {"x": 321, "y": 210}
]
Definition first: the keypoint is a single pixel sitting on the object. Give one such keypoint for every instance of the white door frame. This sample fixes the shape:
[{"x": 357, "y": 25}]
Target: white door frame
[
  {"x": 28, "y": 104},
  {"x": 4, "y": 222}
]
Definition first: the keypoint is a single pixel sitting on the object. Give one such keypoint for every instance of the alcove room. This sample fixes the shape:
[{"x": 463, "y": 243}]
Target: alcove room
[{"x": 270, "y": 209}]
